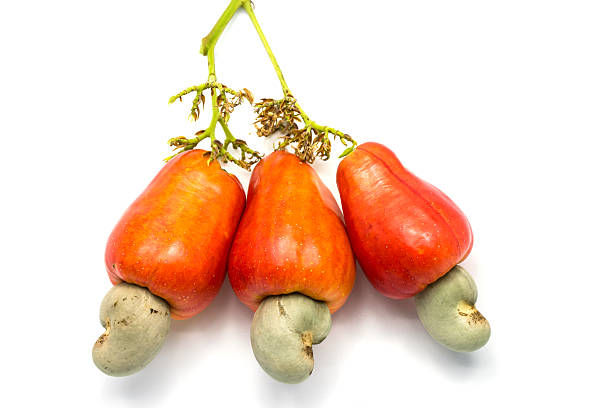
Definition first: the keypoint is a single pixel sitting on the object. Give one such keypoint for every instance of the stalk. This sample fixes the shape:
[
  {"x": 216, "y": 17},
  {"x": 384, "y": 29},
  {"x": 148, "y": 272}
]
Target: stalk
[{"x": 309, "y": 139}]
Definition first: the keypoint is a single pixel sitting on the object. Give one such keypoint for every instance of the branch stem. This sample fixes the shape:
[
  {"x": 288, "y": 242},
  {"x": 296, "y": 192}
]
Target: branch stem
[
  {"x": 308, "y": 123},
  {"x": 312, "y": 140},
  {"x": 210, "y": 40},
  {"x": 249, "y": 9}
]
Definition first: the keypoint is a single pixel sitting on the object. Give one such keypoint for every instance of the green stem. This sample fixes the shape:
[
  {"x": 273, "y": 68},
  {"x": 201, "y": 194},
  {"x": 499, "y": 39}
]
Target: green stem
[
  {"x": 203, "y": 87},
  {"x": 212, "y": 76},
  {"x": 229, "y": 137},
  {"x": 213, "y": 93},
  {"x": 286, "y": 91},
  {"x": 208, "y": 42},
  {"x": 249, "y": 9},
  {"x": 215, "y": 114},
  {"x": 313, "y": 139}
]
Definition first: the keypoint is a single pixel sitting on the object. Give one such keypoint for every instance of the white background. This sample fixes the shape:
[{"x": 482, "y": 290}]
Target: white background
[{"x": 505, "y": 106}]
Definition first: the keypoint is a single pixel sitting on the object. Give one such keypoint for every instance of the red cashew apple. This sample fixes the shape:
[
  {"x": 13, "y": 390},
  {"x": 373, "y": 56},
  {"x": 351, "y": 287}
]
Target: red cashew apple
[
  {"x": 291, "y": 262},
  {"x": 170, "y": 247},
  {"x": 406, "y": 235}
]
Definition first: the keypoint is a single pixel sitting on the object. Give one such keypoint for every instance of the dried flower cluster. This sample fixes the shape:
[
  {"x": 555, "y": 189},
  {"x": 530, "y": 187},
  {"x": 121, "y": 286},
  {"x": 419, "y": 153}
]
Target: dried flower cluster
[
  {"x": 248, "y": 156},
  {"x": 308, "y": 142},
  {"x": 276, "y": 116},
  {"x": 227, "y": 105},
  {"x": 223, "y": 105}
]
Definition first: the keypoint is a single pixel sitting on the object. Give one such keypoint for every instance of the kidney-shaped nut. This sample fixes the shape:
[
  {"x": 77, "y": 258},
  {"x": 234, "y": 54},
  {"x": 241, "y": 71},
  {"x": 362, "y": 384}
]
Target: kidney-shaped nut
[
  {"x": 137, "y": 323},
  {"x": 446, "y": 309},
  {"x": 283, "y": 331}
]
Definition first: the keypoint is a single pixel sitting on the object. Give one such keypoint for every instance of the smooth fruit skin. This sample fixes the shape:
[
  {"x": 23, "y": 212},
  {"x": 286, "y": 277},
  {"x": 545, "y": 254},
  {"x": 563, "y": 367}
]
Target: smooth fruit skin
[
  {"x": 405, "y": 232},
  {"x": 175, "y": 238},
  {"x": 291, "y": 237}
]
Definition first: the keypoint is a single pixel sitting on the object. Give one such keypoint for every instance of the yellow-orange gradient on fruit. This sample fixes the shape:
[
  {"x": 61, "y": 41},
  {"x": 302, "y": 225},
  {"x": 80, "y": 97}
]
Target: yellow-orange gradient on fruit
[
  {"x": 291, "y": 237},
  {"x": 175, "y": 238}
]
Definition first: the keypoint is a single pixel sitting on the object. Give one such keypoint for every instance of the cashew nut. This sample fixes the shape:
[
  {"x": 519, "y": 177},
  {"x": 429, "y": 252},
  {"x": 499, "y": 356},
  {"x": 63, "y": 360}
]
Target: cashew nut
[
  {"x": 136, "y": 323},
  {"x": 446, "y": 309},
  {"x": 283, "y": 331}
]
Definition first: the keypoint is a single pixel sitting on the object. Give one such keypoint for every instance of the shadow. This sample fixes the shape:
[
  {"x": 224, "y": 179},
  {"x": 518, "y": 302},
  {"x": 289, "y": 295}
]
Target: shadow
[
  {"x": 455, "y": 365},
  {"x": 458, "y": 366},
  {"x": 367, "y": 311},
  {"x": 365, "y": 300},
  {"x": 213, "y": 317},
  {"x": 178, "y": 353},
  {"x": 351, "y": 321},
  {"x": 312, "y": 392},
  {"x": 472, "y": 266},
  {"x": 367, "y": 314}
]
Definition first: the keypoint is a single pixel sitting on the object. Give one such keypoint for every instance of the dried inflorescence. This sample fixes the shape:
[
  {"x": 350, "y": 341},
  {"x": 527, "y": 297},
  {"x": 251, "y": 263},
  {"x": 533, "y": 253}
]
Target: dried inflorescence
[
  {"x": 308, "y": 142},
  {"x": 224, "y": 104},
  {"x": 195, "y": 106},
  {"x": 308, "y": 139},
  {"x": 227, "y": 105},
  {"x": 248, "y": 156},
  {"x": 276, "y": 115}
]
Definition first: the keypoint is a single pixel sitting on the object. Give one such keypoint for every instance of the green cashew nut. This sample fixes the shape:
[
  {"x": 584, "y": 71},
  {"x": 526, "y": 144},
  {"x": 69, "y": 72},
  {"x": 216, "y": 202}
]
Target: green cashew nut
[
  {"x": 283, "y": 331},
  {"x": 137, "y": 323},
  {"x": 446, "y": 309}
]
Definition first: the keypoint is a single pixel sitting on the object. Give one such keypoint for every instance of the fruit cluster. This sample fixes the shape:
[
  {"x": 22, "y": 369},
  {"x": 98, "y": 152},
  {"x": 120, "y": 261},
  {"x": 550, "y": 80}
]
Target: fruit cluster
[{"x": 289, "y": 252}]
